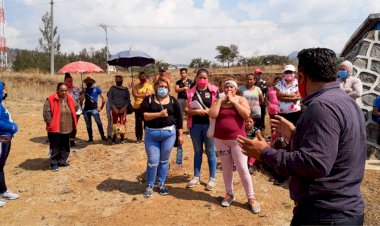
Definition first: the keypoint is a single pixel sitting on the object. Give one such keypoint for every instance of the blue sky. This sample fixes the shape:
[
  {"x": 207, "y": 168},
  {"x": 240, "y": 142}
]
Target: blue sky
[{"x": 176, "y": 31}]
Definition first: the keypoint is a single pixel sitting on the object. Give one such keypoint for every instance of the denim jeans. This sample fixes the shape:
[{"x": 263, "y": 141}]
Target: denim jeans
[
  {"x": 158, "y": 145},
  {"x": 5, "y": 148},
  {"x": 309, "y": 216},
  {"x": 198, "y": 133},
  {"x": 87, "y": 117}
]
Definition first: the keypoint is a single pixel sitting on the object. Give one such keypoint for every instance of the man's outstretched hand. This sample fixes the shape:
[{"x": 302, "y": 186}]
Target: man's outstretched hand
[{"x": 253, "y": 148}]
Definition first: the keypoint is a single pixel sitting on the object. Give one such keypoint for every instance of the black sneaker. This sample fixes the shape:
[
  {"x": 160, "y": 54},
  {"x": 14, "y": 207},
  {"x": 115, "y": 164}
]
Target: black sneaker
[
  {"x": 90, "y": 141},
  {"x": 54, "y": 167},
  {"x": 66, "y": 164},
  {"x": 72, "y": 143},
  {"x": 104, "y": 138},
  {"x": 164, "y": 190}
]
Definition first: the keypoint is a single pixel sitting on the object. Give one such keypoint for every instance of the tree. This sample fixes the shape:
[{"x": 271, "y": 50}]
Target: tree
[
  {"x": 227, "y": 54},
  {"x": 44, "y": 42},
  {"x": 224, "y": 51},
  {"x": 233, "y": 54},
  {"x": 199, "y": 63}
]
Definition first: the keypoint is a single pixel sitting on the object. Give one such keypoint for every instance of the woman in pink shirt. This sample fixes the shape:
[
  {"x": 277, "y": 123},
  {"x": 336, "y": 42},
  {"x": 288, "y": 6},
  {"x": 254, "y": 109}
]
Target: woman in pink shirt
[
  {"x": 230, "y": 113},
  {"x": 271, "y": 99}
]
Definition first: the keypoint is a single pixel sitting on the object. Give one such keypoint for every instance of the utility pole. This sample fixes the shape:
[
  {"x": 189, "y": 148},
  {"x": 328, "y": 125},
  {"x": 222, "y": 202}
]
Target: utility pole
[
  {"x": 105, "y": 28},
  {"x": 51, "y": 39},
  {"x": 3, "y": 41}
]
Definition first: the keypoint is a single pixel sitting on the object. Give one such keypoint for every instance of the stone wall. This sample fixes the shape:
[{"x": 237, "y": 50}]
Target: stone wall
[{"x": 365, "y": 57}]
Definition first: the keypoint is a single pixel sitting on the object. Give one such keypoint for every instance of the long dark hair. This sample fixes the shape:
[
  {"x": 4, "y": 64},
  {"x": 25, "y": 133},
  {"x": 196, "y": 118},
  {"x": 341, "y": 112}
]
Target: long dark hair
[{"x": 67, "y": 75}]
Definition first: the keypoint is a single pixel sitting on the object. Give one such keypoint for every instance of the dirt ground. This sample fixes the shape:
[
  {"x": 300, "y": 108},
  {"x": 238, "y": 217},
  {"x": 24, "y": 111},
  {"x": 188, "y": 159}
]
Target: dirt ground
[{"x": 104, "y": 185}]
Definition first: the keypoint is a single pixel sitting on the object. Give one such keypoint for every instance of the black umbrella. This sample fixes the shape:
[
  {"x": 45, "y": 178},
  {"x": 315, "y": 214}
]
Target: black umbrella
[{"x": 130, "y": 58}]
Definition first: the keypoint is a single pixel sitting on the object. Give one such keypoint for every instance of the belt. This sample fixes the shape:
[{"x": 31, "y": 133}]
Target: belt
[{"x": 172, "y": 127}]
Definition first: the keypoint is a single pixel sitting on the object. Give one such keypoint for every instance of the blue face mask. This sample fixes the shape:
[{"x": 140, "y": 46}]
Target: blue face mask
[
  {"x": 342, "y": 74},
  {"x": 162, "y": 92}
]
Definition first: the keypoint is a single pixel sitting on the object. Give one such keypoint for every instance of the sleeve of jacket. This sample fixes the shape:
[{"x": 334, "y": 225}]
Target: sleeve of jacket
[
  {"x": 6, "y": 125},
  {"x": 357, "y": 88},
  {"x": 47, "y": 112},
  {"x": 318, "y": 146}
]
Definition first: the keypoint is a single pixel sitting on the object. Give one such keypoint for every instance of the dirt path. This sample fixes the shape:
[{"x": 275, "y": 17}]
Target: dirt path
[{"x": 104, "y": 185}]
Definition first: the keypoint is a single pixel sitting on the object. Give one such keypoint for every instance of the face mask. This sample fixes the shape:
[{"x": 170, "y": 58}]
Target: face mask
[
  {"x": 162, "y": 92},
  {"x": 289, "y": 77},
  {"x": 119, "y": 83},
  {"x": 5, "y": 96},
  {"x": 302, "y": 88},
  {"x": 142, "y": 80},
  {"x": 69, "y": 85},
  {"x": 342, "y": 74},
  {"x": 89, "y": 85},
  {"x": 202, "y": 83}
]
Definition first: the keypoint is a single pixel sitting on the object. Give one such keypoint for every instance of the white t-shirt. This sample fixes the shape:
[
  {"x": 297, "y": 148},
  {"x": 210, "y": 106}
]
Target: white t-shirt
[
  {"x": 252, "y": 97},
  {"x": 288, "y": 107}
]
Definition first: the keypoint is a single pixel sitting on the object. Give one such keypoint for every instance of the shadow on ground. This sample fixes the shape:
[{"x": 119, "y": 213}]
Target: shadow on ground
[
  {"x": 137, "y": 188},
  {"x": 35, "y": 164}
]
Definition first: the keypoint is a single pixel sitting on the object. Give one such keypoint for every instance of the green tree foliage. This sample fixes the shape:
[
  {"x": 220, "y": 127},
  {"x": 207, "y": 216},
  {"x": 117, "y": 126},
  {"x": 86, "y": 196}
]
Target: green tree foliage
[
  {"x": 199, "y": 63},
  {"x": 44, "y": 42},
  {"x": 26, "y": 59},
  {"x": 227, "y": 54}
]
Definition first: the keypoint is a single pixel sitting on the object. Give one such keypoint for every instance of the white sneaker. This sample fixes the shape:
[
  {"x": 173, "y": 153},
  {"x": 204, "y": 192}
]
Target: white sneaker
[
  {"x": 2, "y": 203},
  {"x": 9, "y": 195},
  {"x": 211, "y": 184},
  {"x": 193, "y": 182},
  {"x": 254, "y": 205}
]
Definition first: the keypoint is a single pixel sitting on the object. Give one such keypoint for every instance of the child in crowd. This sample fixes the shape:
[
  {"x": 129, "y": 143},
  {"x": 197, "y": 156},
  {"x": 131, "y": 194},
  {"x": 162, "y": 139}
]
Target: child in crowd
[{"x": 251, "y": 130}]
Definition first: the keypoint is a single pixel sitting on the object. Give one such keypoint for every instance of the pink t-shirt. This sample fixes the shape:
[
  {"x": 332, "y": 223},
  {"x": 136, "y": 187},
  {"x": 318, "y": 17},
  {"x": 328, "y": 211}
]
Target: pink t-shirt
[
  {"x": 273, "y": 102},
  {"x": 229, "y": 124}
]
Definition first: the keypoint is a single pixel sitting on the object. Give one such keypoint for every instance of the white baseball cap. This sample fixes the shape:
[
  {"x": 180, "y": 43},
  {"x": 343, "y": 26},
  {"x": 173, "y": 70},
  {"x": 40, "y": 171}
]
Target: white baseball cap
[{"x": 289, "y": 68}]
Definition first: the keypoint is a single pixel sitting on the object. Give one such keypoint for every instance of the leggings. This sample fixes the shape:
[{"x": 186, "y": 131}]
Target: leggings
[{"x": 229, "y": 153}]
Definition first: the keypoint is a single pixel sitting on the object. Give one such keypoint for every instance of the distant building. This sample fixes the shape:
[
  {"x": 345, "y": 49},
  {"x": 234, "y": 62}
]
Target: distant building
[{"x": 363, "y": 50}]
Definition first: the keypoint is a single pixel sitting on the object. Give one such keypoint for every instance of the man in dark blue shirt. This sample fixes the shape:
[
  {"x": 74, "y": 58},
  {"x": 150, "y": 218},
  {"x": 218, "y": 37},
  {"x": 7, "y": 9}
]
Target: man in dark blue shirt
[{"x": 327, "y": 151}]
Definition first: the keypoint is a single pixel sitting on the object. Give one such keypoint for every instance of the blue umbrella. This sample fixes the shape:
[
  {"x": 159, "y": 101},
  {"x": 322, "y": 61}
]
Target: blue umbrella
[{"x": 131, "y": 58}]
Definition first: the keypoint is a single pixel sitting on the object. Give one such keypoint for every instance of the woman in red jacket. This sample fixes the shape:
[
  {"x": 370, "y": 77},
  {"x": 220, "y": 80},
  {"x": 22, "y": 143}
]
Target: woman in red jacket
[{"x": 60, "y": 116}]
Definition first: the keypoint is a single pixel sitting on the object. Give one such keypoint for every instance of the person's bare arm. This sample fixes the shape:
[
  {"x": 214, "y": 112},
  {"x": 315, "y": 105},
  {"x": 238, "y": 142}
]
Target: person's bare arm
[{"x": 103, "y": 101}]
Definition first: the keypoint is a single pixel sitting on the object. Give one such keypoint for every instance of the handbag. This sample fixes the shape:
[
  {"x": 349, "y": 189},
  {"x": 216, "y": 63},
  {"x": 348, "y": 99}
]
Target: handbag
[
  {"x": 118, "y": 129},
  {"x": 130, "y": 108}
]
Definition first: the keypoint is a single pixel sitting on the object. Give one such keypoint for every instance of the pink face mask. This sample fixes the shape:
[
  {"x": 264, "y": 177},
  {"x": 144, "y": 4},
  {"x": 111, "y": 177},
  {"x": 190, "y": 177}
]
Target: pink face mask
[
  {"x": 289, "y": 77},
  {"x": 202, "y": 83}
]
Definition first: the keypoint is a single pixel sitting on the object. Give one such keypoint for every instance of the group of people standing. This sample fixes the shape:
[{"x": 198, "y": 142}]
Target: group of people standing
[{"x": 325, "y": 154}]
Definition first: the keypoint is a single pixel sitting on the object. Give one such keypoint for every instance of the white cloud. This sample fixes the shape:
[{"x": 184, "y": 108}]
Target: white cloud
[{"x": 177, "y": 31}]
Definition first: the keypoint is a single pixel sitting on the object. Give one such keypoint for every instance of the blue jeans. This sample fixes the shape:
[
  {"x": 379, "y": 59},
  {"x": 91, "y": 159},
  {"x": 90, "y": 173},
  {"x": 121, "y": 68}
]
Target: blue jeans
[
  {"x": 198, "y": 133},
  {"x": 158, "y": 145},
  {"x": 87, "y": 118}
]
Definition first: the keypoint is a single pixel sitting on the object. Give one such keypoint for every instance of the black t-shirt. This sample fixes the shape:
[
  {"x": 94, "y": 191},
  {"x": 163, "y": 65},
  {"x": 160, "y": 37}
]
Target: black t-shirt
[
  {"x": 175, "y": 117},
  {"x": 181, "y": 84},
  {"x": 207, "y": 99}
]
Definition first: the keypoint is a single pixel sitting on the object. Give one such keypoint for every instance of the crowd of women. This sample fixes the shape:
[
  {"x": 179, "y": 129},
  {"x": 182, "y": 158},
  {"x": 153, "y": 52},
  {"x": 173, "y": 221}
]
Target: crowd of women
[{"x": 215, "y": 117}]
